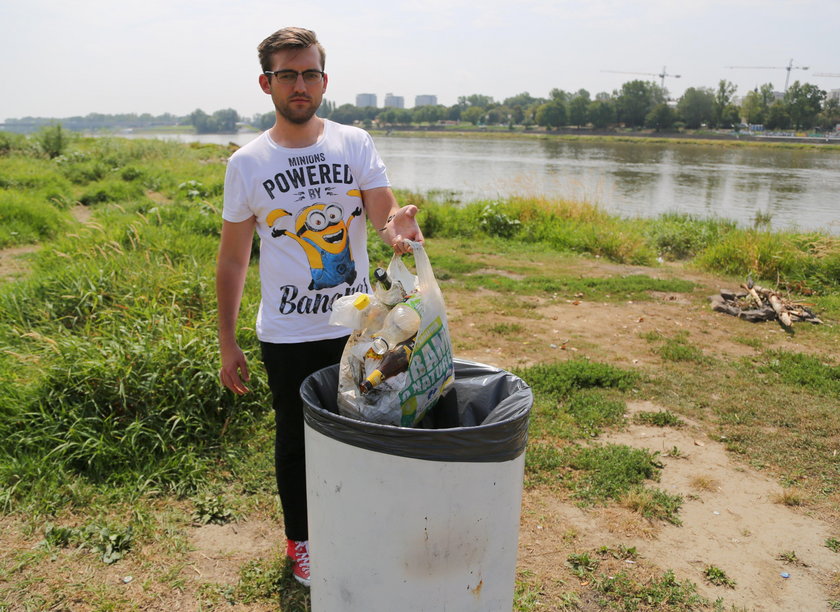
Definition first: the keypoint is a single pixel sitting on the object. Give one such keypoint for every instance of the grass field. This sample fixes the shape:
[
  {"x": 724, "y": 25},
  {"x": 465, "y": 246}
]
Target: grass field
[{"x": 116, "y": 440}]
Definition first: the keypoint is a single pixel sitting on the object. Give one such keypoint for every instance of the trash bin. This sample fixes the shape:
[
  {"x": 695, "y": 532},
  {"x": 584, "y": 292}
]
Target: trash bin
[{"x": 423, "y": 518}]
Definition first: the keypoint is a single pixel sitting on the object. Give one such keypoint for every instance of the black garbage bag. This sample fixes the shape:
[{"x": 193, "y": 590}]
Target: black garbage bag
[{"x": 484, "y": 418}]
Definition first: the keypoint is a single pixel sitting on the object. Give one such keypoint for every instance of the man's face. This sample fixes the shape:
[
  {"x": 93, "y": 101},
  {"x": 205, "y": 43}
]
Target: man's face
[{"x": 298, "y": 101}]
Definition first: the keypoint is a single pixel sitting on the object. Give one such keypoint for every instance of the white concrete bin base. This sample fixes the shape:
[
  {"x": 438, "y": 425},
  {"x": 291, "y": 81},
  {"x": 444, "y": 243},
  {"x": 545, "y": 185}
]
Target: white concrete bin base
[{"x": 417, "y": 519}]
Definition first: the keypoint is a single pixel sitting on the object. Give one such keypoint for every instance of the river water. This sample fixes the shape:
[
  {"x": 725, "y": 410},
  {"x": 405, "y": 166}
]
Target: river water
[{"x": 795, "y": 188}]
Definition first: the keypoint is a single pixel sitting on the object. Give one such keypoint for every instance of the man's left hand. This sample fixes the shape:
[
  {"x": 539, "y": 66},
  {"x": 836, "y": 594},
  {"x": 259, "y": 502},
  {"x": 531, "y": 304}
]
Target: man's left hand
[{"x": 403, "y": 226}]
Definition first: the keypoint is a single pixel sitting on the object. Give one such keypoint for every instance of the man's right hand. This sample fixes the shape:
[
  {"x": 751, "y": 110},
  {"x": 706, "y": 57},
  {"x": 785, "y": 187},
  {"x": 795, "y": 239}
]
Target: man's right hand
[
  {"x": 231, "y": 269},
  {"x": 234, "y": 372}
]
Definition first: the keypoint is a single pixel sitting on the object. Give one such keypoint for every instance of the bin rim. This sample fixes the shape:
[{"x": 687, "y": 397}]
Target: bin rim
[{"x": 499, "y": 440}]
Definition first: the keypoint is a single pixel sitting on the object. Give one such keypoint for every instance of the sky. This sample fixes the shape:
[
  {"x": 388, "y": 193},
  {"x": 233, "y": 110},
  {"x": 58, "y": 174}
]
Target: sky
[{"x": 62, "y": 59}]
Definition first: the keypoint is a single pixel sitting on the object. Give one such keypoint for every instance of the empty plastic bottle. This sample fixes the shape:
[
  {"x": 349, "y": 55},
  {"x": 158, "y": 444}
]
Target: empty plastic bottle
[
  {"x": 402, "y": 323},
  {"x": 351, "y": 310}
]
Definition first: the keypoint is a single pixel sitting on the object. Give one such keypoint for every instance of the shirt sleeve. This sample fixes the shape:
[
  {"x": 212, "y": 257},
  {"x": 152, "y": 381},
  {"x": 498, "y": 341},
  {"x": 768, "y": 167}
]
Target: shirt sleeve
[
  {"x": 235, "y": 208},
  {"x": 372, "y": 172}
]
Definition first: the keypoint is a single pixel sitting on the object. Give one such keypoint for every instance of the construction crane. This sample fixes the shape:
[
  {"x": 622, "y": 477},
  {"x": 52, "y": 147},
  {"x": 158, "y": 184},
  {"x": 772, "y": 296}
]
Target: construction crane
[
  {"x": 789, "y": 67},
  {"x": 661, "y": 75}
]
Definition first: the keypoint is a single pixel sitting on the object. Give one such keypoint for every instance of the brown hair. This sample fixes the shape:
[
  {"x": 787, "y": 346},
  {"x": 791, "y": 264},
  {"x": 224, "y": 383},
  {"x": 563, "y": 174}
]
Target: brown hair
[{"x": 288, "y": 38}]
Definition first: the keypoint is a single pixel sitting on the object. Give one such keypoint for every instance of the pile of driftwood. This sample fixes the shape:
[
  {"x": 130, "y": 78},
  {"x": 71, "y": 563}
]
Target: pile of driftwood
[{"x": 759, "y": 304}]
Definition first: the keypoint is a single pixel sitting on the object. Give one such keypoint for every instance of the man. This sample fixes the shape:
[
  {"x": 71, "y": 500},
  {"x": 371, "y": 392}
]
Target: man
[{"x": 306, "y": 186}]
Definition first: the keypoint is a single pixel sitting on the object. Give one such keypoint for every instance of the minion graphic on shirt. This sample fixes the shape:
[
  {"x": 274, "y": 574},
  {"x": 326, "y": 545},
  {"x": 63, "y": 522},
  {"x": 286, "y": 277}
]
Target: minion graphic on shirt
[{"x": 321, "y": 231}]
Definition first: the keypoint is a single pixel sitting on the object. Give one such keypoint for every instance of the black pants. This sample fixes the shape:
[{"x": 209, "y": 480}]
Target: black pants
[{"x": 287, "y": 365}]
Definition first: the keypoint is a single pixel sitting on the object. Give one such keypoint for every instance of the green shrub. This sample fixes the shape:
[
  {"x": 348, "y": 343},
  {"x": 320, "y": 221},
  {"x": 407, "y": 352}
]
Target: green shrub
[
  {"x": 681, "y": 236},
  {"x": 53, "y": 140},
  {"x": 31, "y": 174},
  {"x": 495, "y": 222},
  {"x": 136, "y": 399}
]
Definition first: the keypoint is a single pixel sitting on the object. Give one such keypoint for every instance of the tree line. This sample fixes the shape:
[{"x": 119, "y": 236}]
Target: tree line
[{"x": 637, "y": 104}]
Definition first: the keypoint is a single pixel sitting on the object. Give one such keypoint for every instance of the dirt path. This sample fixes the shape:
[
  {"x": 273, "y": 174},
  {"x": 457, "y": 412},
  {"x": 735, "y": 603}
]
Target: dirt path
[{"x": 731, "y": 518}]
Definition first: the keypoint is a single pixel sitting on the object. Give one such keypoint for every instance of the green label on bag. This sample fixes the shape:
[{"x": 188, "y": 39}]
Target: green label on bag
[{"x": 430, "y": 366}]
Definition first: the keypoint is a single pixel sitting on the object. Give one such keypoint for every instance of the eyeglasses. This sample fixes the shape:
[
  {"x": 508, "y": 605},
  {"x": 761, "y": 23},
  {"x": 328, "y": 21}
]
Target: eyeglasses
[{"x": 290, "y": 77}]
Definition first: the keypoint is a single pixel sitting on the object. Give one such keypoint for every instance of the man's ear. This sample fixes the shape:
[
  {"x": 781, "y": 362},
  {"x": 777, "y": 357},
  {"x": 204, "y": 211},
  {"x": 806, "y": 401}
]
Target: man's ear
[
  {"x": 264, "y": 84},
  {"x": 326, "y": 78}
]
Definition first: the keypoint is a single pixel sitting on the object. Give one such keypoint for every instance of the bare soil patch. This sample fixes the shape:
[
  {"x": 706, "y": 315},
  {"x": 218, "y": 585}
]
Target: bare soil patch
[
  {"x": 731, "y": 518},
  {"x": 217, "y": 551}
]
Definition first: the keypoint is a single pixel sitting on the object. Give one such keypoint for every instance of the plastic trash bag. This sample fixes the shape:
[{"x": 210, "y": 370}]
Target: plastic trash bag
[{"x": 403, "y": 399}]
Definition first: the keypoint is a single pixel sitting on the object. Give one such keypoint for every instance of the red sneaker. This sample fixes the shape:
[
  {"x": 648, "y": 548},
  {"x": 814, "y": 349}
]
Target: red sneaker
[{"x": 298, "y": 552}]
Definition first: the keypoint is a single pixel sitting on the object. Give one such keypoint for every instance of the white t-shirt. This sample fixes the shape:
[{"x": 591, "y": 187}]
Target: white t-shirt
[{"x": 311, "y": 222}]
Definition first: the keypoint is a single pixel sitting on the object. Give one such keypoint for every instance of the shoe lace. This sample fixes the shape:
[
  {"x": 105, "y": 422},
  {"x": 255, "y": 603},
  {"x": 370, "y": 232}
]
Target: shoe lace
[{"x": 302, "y": 554}]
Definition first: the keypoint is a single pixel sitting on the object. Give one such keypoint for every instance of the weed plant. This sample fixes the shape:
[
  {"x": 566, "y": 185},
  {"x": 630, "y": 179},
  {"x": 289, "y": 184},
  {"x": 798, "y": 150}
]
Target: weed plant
[
  {"x": 607, "y": 472},
  {"x": 582, "y": 564},
  {"x": 110, "y": 543},
  {"x": 662, "y": 418},
  {"x": 558, "y": 380},
  {"x": 593, "y": 409},
  {"x": 526, "y": 595},
  {"x": 664, "y": 593},
  {"x": 718, "y": 577},
  {"x": 211, "y": 509},
  {"x": 678, "y": 348},
  {"x": 272, "y": 579}
]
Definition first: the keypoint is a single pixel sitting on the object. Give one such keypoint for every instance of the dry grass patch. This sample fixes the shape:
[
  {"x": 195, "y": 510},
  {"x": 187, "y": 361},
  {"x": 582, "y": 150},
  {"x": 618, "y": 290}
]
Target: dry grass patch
[
  {"x": 792, "y": 497},
  {"x": 705, "y": 483}
]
